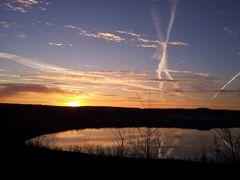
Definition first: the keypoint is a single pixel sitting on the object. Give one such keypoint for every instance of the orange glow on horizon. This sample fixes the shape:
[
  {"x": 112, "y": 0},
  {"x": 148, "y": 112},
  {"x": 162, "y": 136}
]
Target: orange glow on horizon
[{"x": 73, "y": 104}]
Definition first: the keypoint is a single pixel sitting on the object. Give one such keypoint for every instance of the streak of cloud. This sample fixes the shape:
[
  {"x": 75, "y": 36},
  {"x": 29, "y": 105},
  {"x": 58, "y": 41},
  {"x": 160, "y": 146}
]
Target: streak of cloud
[
  {"x": 7, "y": 24},
  {"x": 110, "y": 37},
  {"x": 101, "y": 35},
  {"x": 129, "y": 33},
  {"x": 159, "y": 43},
  {"x": 14, "y": 7},
  {"x": 147, "y": 45},
  {"x": 21, "y": 36},
  {"x": 59, "y": 70},
  {"x": 55, "y": 44},
  {"x": 137, "y": 39},
  {"x": 59, "y": 44},
  {"x": 28, "y": 2},
  {"x": 225, "y": 85},
  {"x": 124, "y": 79},
  {"x": 10, "y": 89},
  {"x": 49, "y": 24}
]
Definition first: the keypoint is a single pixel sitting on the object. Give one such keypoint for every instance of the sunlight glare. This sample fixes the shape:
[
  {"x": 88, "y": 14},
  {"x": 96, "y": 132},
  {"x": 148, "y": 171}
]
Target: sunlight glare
[{"x": 73, "y": 104}]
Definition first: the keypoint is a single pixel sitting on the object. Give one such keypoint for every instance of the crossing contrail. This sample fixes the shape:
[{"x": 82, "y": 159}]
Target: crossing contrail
[
  {"x": 230, "y": 81},
  {"x": 161, "y": 53}
]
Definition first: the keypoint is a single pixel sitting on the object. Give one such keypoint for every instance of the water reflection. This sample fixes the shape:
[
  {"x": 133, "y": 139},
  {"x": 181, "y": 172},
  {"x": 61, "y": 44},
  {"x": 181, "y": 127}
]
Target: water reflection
[{"x": 141, "y": 142}]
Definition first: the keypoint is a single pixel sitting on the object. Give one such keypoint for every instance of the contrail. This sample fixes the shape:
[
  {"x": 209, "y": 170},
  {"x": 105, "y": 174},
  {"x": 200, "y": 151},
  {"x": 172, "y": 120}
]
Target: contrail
[
  {"x": 231, "y": 80},
  {"x": 161, "y": 55},
  {"x": 46, "y": 67}
]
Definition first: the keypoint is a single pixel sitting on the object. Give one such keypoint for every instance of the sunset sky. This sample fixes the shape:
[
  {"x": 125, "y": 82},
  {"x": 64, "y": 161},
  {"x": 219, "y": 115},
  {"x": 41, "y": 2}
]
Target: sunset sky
[{"x": 128, "y": 53}]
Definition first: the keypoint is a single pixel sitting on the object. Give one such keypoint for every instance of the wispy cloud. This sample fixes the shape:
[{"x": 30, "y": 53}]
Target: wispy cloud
[
  {"x": 119, "y": 80},
  {"x": 42, "y": 8},
  {"x": 178, "y": 43},
  {"x": 11, "y": 89},
  {"x": 55, "y": 44},
  {"x": 64, "y": 71},
  {"x": 70, "y": 27},
  {"x": 180, "y": 62},
  {"x": 129, "y": 33},
  {"x": 100, "y": 35},
  {"x": 59, "y": 44},
  {"x": 23, "y": 6},
  {"x": 230, "y": 30},
  {"x": 87, "y": 33},
  {"x": 128, "y": 37},
  {"x": 28, "y": 2},
  {"x": 21, "y": 35},
  {"x": 31, "y": 63},
  {"x": 110, "y": 37},
  {"x": 147, "y": 45},
  {"x": 7, "y": 24},
  {"x": 14, "y": 7},
  {"x": 49, "y": 24}
]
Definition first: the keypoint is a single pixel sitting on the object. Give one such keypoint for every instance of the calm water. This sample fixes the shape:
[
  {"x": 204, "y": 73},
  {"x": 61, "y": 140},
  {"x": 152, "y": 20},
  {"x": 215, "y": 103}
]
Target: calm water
[{"x": 136, "y": 142}]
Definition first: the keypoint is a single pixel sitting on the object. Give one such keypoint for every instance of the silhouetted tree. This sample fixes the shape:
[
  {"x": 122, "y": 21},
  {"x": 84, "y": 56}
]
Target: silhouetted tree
[
  {"x": 227, "y": 146},
  {"x": 121, "y": 148}
]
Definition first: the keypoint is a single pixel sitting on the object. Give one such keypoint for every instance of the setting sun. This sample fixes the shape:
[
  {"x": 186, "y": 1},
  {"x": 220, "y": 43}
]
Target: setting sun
[{"x": 73, "y": 104}]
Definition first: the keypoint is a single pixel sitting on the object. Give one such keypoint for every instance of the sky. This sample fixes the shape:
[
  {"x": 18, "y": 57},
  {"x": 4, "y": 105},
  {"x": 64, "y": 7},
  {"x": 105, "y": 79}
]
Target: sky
[{"x": 124, "y": 53}]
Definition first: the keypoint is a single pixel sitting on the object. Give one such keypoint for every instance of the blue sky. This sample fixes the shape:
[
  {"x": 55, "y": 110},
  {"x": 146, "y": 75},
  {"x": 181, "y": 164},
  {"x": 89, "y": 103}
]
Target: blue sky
[{"x": 122, "y": 40}]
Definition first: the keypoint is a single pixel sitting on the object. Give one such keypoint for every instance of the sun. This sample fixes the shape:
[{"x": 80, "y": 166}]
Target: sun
[{"x": 73, "y": 104}]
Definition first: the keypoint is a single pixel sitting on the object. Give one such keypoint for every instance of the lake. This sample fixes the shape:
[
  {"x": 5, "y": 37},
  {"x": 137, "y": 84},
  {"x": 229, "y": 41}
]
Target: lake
[{"x": 167, "y": 143}]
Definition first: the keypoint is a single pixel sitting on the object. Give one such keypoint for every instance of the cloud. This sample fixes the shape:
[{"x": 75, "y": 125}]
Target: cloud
[
  {"x": 55, "y": 44},
  {"x": 64, "y": 71},
  {"x": 21, "y": 35},
  {"x": 147, "y": 45},
  {"x": 107, "y": 72},
  {"x": 120, "y": 80},
  {"x": 11, "y": 89},
  {"x": 13, "y": 7},
  {"x": 128, "y": 33},
  {"x": 110, "y": 37},
  {"x": 230, "y": 30},
  {"x": 23, "y": 6},
  {"x": 136, "y": 39},
  {"x": 31, "y": 63},
  {"x": 59, "y": 44},
  {"x": 100, "y": 35},
  {"x": 42, "y": 8},
  {"x": 87, "y": 33},
  {"x": 238, "y": 53},
  {"x": 49, "y": 24},
  {"x": 28, "y": 2},
  {"x": 179, "y": 43},
  {"x": 6, "y": 24},
  {"x": 147, "y": 40},
  {"x": 180, "y": 62},
  {"x": 70, "y": 27}
]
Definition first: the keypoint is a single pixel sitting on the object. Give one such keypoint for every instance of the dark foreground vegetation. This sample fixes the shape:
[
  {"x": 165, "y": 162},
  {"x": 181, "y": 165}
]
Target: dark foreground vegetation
[{"x": 22, "y": 122}]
